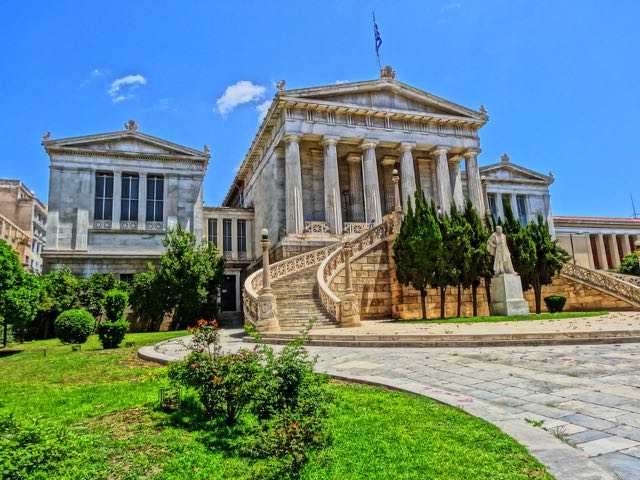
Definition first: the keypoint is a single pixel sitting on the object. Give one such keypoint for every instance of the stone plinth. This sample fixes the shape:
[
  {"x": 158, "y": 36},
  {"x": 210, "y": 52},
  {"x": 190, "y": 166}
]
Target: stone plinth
[
  {"x": 350, "y": 311},
  {"x": 267, "y": 313},
  {"x": 507, "y": 297}
]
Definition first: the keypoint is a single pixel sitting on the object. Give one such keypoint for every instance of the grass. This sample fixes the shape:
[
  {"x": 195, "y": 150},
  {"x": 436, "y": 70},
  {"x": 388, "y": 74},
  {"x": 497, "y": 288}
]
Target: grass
[
  {"x": 501, "y": 318},
  {"x": 106, "y": 398}
]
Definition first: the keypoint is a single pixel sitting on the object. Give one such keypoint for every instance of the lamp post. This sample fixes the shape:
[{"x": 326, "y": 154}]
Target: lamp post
[{"x": 267, "y": 309}]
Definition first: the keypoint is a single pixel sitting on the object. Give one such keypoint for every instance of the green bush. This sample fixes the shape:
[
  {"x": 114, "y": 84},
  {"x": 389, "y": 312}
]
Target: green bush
[
  {"x": 74, "y": 326},
  {"x": 555, "y": 303},
  {"x": 115, "y": 302},
  {"x": 631, "y": 264},
  {"x": 111, "y": 334}
]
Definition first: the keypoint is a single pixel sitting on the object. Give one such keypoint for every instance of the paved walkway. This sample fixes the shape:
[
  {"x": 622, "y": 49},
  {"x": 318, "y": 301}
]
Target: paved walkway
[{"x": 590, "y": 395}]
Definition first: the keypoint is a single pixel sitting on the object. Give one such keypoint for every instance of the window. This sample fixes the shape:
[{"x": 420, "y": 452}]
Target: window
[
  {"x": 493, "y": 206},
  {"x": 521, "y": 201},
  {"x": 129, "y": 201},
  {"x": 226, "y": 235},
  {"x": 155, "y": 198},
  {"x": 127, "y": 277},
  {"x": 104, "y": 196},
  {"x": 242, "y": 235},
  {"x": 212, "y": 232}
]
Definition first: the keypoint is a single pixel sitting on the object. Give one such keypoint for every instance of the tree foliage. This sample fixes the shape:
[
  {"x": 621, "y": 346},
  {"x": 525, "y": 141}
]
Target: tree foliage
[
  {"x": 481, "y": 264},
  {"x": 630, "y": 264}
]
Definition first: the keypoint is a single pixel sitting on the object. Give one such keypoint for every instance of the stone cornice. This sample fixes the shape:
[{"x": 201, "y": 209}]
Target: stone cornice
[{"x": 128, "y": 155}]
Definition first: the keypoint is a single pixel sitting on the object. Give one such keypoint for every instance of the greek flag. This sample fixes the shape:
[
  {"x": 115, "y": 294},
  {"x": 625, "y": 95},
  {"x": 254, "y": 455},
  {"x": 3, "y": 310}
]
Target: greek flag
[{"x": 376, "y": 34}]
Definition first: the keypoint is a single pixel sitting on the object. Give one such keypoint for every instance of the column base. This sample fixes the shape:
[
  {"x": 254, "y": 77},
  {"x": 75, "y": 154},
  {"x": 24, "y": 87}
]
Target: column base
[
  {"x": 350, "y": 311},
  {"x": 267, "y": 314},
  {"x": 506, "y": 296}
]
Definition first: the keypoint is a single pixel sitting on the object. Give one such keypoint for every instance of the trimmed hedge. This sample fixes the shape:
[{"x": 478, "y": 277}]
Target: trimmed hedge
[
  {"x": 555, "y": 303},
  {"x": 115, "y": 302},
  {"x": 111, "y": 334},
  {"x": 74, "y": 326}
]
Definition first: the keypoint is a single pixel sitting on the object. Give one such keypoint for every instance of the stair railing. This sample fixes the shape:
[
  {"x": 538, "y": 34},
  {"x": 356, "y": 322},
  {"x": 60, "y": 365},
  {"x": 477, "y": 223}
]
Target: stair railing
[{"x": 609, "y": 283}]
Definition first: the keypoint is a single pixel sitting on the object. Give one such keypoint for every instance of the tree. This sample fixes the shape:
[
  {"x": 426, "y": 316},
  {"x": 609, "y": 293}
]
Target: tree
[
  {"x": 460, "y": 253},
  {"x": 549, "y": 259},
  {"x": 417, "y": 248},
  {"x": 190, "y": 273},
  {"x": 521, "y": 247},
  {"x": 480, "y": 265},
  {"x": 60, "y": 293},
  {"x": 631, "y": 264},
  {"x": 446, "y": 271},
  {"x": 92, "y": 290}
]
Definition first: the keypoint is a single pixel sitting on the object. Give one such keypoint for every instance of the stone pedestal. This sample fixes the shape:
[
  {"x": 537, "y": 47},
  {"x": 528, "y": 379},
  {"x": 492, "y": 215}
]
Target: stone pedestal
[
  {"x": 506, "y": 296},
  {"x": 350, "y": 314},
  {"x": 267, "y": 313}
]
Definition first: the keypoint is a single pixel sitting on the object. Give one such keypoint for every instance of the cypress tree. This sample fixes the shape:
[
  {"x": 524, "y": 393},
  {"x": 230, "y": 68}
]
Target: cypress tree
[
  {"x": 480, "y": 265},
  {"x": 445, "y": 273},
  {"x": 461, "y": 253}
]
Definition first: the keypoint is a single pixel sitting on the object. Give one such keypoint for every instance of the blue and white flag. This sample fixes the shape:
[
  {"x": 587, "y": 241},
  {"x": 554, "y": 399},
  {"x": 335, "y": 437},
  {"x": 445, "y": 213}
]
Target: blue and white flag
[{"x": 376, "y": 34}]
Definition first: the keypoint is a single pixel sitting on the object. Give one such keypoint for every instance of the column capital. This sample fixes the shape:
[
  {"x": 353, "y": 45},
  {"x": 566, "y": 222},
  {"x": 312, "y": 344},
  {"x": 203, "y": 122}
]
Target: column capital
[
  {"x": 354, "y": 157},
  {"x": 439, "y": 150},
  {"x": 389, "y": 160},
  {"x": 471, "y": 153},
  {"x": 292, "y": 137},
  {"x": 329, "y": 140},
  {"x": 368, "y": 143},
  {"x": 406, "y": 146}
]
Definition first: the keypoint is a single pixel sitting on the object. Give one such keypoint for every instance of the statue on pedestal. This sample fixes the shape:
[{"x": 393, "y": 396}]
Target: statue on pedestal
[{"x": 506, "y": 287}]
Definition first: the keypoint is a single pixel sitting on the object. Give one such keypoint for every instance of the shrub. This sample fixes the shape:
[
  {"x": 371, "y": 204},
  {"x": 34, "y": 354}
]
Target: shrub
[
  {"x": 74, "y": 326},
  {"x": 630, "y": 264},
  {"x": 115, "y": 302},
  {"x": 111, "y": 334},
  {"x": 555, "y": 303}
]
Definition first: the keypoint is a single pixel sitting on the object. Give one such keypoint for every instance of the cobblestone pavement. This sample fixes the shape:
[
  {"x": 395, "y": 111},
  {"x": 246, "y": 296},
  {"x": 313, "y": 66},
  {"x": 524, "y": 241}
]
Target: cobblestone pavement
[{"x": 588, "y": 395}]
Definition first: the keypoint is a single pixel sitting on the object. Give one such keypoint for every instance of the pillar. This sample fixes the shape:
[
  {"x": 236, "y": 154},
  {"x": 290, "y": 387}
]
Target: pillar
[
  {"x": 444, "y": 196},
  {"x": 234, "y": 238},
  {"x": 388, "y": 163},
  {"x": 372, "y": 204},
  {"x": 456, "y": 183},
  {"x": 474, "y": 187},
  {"x": 408, "y": 173},
  {"x": 355, "y": 187},
  {"x": 602, "y": 253},
  {"x": 219, "y": 236},
  {"x": 293, "y": 185},
  {"x": 142, "y": 201},
  {"x": 514, "y": 205},
  {"x": 267, "y": 320},
  {"x": 626, "y": 245},
  {"x": 332, "y": 201},
  {"x": 613, "y": 249},
  {"x": 117, "y": 197},
  {"x": 592, "y": 263}
]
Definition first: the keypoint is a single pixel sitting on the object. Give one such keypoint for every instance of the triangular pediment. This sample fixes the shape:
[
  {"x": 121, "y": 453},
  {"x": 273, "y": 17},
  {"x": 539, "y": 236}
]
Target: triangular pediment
[
  {"x": 510, "y": 171},
  {"x": 385, "y": 95},
  {"x": 128, "y": 141}
]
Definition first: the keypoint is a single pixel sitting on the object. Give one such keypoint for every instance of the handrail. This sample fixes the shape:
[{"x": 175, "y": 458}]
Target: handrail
[
  {"x": 623, "y": 277},
  {"x": 278, "y": 270},
  {"x": 334, "y": 264},
  {"x": 624, "y": 290}
]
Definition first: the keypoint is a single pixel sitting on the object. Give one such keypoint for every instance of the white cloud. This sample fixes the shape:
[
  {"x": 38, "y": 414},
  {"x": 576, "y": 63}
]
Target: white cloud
[
  {"x": 262, "y": 109},
  {"x": 451, "y": 6},
  {"x": 238, "y": 94},
  {"x": 122, "y": 88},
  {"x": 338, "y": 82}
]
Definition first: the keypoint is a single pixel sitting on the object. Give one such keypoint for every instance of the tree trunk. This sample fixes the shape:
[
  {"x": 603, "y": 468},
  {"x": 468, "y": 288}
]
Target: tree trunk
[
  {"x": 459, "y": 300},
  {"x": 487, "y": 287},
  {"x": 537, "y": 292},
  {"x": 423, "y": 299},
  {"x": 443, "y": 293},
  {"x": 474, "y": 298}
]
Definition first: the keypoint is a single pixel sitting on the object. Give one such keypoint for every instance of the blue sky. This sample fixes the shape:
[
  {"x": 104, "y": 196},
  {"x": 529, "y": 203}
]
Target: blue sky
[{"x": 560, "y": 79}]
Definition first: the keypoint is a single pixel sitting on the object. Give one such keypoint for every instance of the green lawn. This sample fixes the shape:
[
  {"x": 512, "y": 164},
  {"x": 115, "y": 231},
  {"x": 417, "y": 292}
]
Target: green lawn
[
  {"x": 500, "y": 318},
  {"x": 106, "y": 399}
]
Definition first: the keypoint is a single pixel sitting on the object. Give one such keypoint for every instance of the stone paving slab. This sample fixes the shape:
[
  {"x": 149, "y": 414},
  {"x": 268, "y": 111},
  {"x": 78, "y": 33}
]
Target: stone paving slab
[{"x": 591, "y": 393}]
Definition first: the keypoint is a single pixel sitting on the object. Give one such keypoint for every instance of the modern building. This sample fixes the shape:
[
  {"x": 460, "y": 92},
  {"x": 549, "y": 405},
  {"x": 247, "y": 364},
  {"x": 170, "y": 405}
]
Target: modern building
[
  {"x": 16, "y": 238},
  {"x": 113, "y": 196},
  {"x": 20, "y": 206}
]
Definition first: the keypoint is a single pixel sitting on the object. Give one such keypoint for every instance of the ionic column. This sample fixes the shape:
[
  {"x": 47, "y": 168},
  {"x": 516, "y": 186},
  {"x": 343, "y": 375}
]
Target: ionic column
[
  {"x": 408, "y": 174},
  {"x": 355, "y": 187},
  {"x": 142, "y": 201},
  {"x": 474, "y": 187},
  {"x": 117, "y": 197},
  {"x": 514, "y": 206},
  {"x": 388, "y": 162},
  {"x": 602, "y": 253},
  {"x": 443, "y": 179},
  {"x": 613, "y": 249},
  {"x": 372, "y": 204},
  {"x": 456, "y": 183},
  {"x": 293, "y": 185},
  {"x": 626, "y": 245},
  {"x": 332, "y": 203}
]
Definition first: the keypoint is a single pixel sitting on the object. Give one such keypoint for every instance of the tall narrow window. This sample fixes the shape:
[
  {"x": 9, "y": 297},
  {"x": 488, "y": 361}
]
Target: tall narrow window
[
  {"x": 155, "y": 198},
  {"x": 129, "y": 201},
  {"x": 226, "y": 235},
  {"x": 522, "y": 209},
  {"x": 104, "y": 196},
  {"x": 242, "y": 235},
  {"x": 212, "y": 231}
]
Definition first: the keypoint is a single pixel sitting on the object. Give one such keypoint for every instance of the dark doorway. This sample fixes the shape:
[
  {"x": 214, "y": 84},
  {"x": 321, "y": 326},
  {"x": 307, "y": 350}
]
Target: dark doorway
[{"x": 229, "y": 294}]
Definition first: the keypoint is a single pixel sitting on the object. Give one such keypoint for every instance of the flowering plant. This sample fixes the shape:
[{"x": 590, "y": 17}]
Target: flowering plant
[{"x": 206, "y": 337}]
